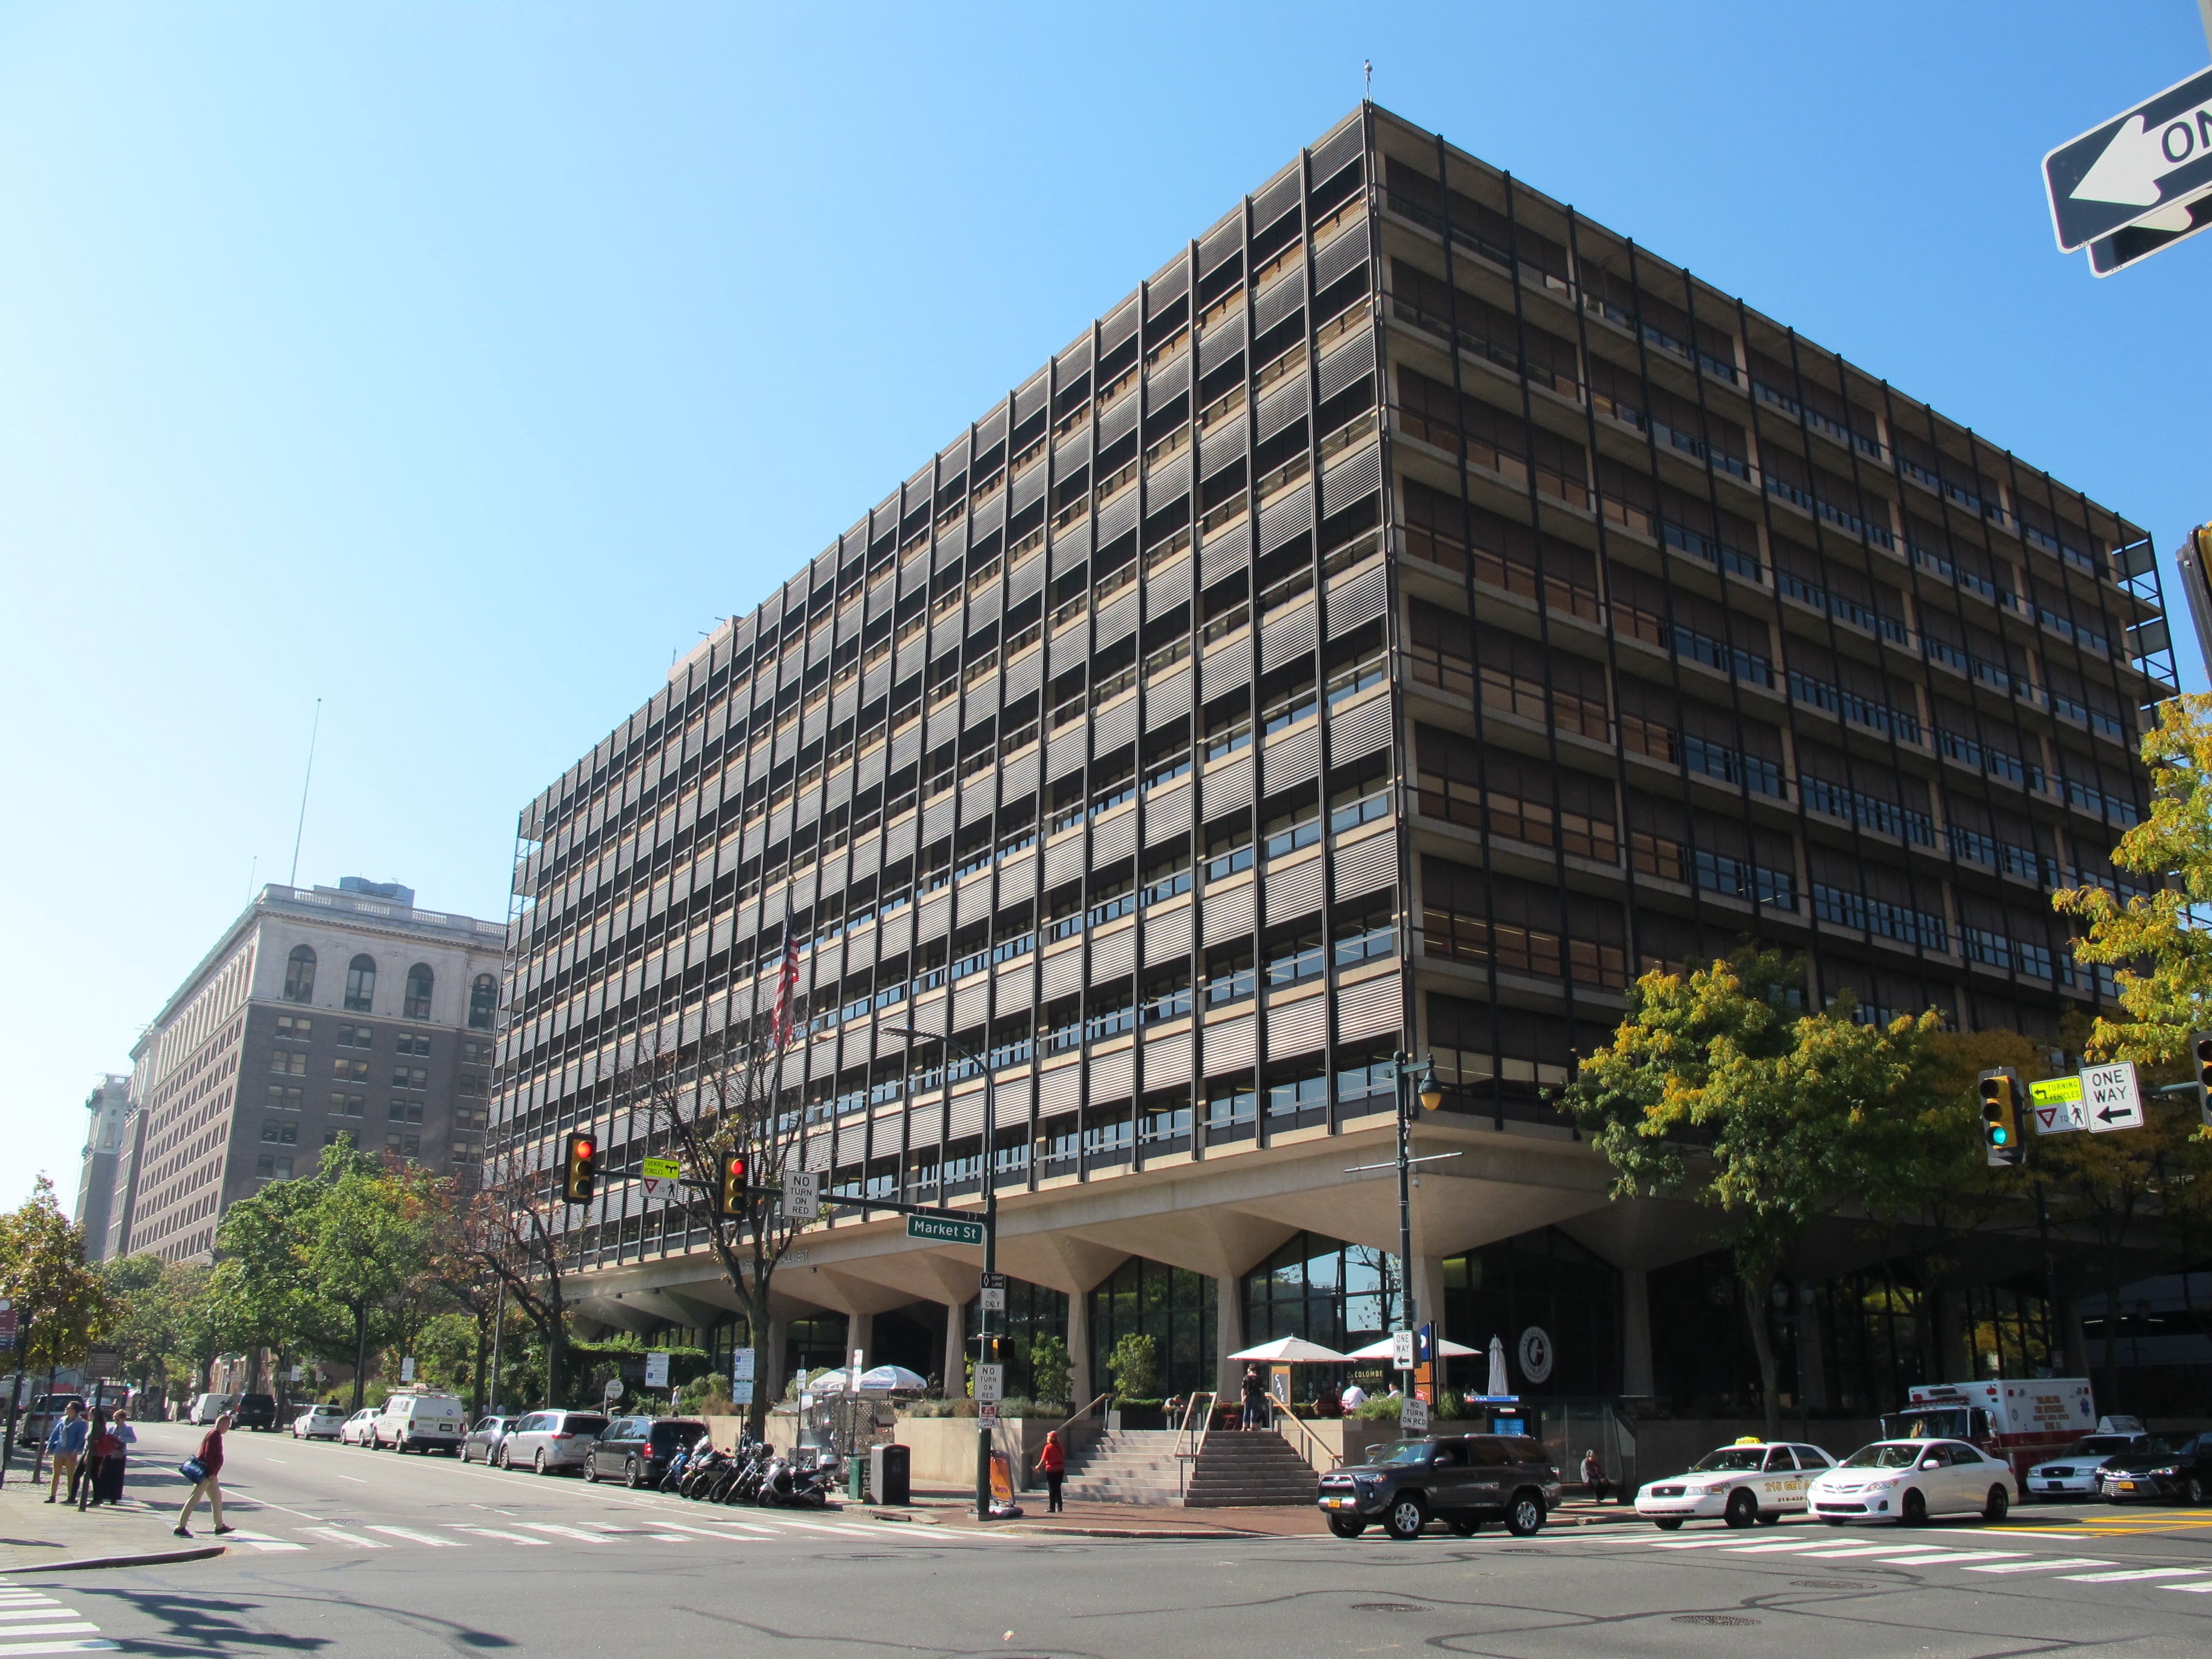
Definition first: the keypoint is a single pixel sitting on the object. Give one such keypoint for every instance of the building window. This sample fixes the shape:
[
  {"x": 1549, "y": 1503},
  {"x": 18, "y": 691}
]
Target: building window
[
  {"x": 406, "y": 1077},
  {"x": 281, "y": 1099},
  {"x": 417, "y": 1003},
  {"x": 484, "y": 1002},
  {"x": 477, "y": 1053},
  {"x": 353, "y": 1070},
  {"x": 300, "y": 975},
  {"x": 282, "y": 1135},
  {"x": 404, "y": 1111},
  {"x": 406, "y": 1146},
  {"x": 414, "y": 1045},
  {"x": 356, "y": 1037},
  {"x": 270, "y": 1167},
  {"x": 360, "y": 985},
  {"x": 291, "y": 1065},
  {"x": 292, "y": 1028},
  {"x": 338, "y": 1138},
  {"x": 347, "y": 1105}
]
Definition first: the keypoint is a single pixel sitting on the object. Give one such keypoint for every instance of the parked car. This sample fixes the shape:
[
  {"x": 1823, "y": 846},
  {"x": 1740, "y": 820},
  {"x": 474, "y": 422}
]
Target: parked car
[
  {"x": 2078, "y": 1471},
  {"x": 1753, "y": 1481},
  {"x": 37, "y": 1421},
  {"x": 206, "y": 1407},
  {"x": 358, "y": 1428},
  {"x": 637, "y": 1448},
  {"x": 551, "y": 1441},
  {"x": 2173, "y": 1474},
  {"x": 1460, "y": 1480},
  {"x": 483, "y": 1440},
  {"x": 419, "y": 1422},
  {"x": 322, "y": 1422},
  {"x": 1909, "y": 1481},
  {"x": 254, "y": 1411}
]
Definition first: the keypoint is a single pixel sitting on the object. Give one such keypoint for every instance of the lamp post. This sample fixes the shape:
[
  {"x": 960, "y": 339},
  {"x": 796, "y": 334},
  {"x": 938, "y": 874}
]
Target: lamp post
[
  {"x": 1432, "y": 1096},
  {"x": 982, "y": 1063}
]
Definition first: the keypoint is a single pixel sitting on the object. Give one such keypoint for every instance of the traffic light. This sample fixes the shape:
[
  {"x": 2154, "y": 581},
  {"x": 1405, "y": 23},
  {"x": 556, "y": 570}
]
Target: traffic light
[
  {"x": 579, "y": 1168},
  {"x": 2200, "y": 1046},
  {"x": 2000, "y": 1091},
  {"x": 730, "y": 1199}
]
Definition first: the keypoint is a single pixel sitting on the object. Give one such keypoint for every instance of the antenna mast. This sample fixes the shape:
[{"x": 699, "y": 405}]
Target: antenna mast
[{"x": 301, "y": 828}]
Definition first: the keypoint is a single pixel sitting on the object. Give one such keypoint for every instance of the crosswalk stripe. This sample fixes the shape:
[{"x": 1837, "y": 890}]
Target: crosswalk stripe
[
  {"x": 2130, "y": 1573},
  {"x": 576, "y": 1532},
  {"x": 433, "y": 1541},
  {"x": 493, "y": 1532},
  {"x": 70, "y": 1627},
  {"x": 263, "y": 1541},
  {"x": 705, "y": 1532},
  {"x": 1718, "y": 1542},
  {"x": 1957, "y": 1558},
  {"x": 2046, "y": 1564},
  {"x": 335, "y": 1535},
  {"x": 1844, "y": 1552},
  {"x": 2202, "y": 1587},
  {"x": 91, "y": 1645},
  {"x": 52, "y": 1610}
]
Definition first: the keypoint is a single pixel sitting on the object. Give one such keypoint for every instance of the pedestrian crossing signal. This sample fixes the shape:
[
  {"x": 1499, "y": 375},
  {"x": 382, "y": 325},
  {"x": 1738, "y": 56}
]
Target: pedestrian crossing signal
[
  {"x": 579, "y": 1168},
  {"x": 2000, "y": 1092},
  {"x": 730, "y": 1199}
]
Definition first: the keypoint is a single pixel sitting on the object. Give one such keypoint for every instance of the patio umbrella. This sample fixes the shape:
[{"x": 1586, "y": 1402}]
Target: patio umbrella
[
  {"x": 1384, "y": 1350},
  {"x": 1291, "y": 1351},
  {"x": 1500, "y": 1383},
  {"x": 891, "y": 1379}
]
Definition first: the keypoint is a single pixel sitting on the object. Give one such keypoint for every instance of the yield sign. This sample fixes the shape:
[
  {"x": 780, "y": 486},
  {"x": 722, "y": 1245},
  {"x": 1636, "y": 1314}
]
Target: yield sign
[{"x": 2154, "y": 156}]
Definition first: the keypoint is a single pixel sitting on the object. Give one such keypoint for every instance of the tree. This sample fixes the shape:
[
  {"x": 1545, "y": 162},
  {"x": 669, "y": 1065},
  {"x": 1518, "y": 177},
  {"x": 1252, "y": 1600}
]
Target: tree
[
  {"x": 1134, "y": 1365},
  {"x": 461, "y": 1274},
  {"x": 1717, "y": 1086},
  {"x": 62, "y": 1305},
  {"x": 265, "y": 1289},
  {"x": 509, "y": 1231},
  {"x": 364, "y": 1250}
]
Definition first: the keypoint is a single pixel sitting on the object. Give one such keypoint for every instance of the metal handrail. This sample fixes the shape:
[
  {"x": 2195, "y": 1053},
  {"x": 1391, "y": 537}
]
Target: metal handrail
[
  {"x": 1279, "y": 1416},
  {"x": 1082, "y": 1412},
  {"x": 1193, "y": 1428}
]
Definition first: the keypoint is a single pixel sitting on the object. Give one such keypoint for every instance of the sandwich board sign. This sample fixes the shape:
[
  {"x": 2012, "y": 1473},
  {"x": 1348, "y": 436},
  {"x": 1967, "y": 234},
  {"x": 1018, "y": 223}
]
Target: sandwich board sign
[{"x": 2156, "y": 156}]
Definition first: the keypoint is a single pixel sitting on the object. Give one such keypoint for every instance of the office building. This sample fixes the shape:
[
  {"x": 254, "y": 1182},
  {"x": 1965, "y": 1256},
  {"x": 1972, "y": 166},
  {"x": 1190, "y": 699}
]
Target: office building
[
  {"x": 1414, "y": 612},
  {"x": 320, "y": 1014},
  {"x": 108, "y": 1104}
]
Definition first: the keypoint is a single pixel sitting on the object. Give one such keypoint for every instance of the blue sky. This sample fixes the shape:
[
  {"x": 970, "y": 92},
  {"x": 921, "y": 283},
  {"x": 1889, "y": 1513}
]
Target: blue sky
[{"x": 457, "y": 364}]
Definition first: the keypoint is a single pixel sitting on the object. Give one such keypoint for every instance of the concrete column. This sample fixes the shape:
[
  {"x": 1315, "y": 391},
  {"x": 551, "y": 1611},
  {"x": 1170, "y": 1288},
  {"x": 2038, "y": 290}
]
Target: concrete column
[
  {"x": 956, "y": 1351},
  {"x": 1080, "y": 1383},
  {"x": 1951, "y": 1344},
  {"x": 1635, "y": 1333},
  {"x": 860, "y": 1333},
  {"x": 1427, "y": 1283},
  {"x": 1809, "y": 1344},
  {"x": 1229, "y": 1336}
]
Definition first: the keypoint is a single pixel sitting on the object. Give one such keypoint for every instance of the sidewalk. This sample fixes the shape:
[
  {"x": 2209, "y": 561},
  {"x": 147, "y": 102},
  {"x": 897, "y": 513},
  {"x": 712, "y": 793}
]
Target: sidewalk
[
  {"x": 39, "y": 1536},
  {"x": 1173, "y": 1521}
]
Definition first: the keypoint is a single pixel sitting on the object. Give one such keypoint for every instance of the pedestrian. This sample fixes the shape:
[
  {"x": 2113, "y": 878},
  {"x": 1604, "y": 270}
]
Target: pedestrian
[
  {"x": 1329, "y": 1400},
  {"x": 1354, "y": 1398},
  {"x": 1052, "y": 1464},
  {"x": 1255, "y": 1395},
  {"x": 112, "y": 1467},
  {"x": 1594, "y": 1476},
  {"x": 99, "y": 1446},
  {"x": 66, "y": 1442},
  {"x": 205, "y": 1473}
]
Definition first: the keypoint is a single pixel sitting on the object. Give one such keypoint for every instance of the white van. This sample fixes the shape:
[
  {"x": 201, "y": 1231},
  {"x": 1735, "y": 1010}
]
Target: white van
[
  {"x": 419, "y": 1422},
  {"x": 206, "y": 1407}
]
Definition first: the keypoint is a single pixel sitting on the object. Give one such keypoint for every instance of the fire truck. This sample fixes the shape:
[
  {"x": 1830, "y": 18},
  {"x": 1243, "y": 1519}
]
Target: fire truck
[{"x": 2021, "y": 1421}]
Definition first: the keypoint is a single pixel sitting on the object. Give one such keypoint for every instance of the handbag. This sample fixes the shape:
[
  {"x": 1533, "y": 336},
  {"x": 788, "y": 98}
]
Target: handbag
[{"x": 193, "y": 1470}]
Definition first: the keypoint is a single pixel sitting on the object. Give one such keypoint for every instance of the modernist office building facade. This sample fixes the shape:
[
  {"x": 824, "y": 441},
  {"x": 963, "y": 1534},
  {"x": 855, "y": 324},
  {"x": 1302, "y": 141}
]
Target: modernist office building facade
[
  {"x": 321, "y": 1014},
  {"x": 1412, "y": 613}
]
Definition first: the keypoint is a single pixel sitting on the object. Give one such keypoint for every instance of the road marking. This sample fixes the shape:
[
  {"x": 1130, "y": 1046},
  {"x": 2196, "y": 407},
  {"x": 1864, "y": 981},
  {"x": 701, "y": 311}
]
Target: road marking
[
  {"x": 2202, "y": 1588},
  {"x": 262, "y": 1540},
  {"x": 432, "y": 1540},
  {"x": 493, "y": 1532},
  {"x": 1957, "y": 1558},
  {"x": 820, "y": 1526},
  {"x": 2047, "y": 1564},
  {"x": 1697, "y": 1543},
  {"x": 51, "y": 1611},
  {"x": 577, "y": 1533},
  {"x": 355, "y": 1478},
  {"x": 2129, "y": 1573},
  {"x": 71, "y": 1628},
  {"x": 1793, "y": 1546},
  {"x": 335, "y": 1535},
  {"x": 705, "y": 1532},
  {"x": 94, "y": 1644},
  {"x": 1844, "y": 1552}
]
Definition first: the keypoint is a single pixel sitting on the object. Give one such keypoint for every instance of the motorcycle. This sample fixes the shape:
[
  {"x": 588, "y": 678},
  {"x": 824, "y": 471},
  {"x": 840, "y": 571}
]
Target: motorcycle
[
  {"x": 789, "y": 1484},
  {"x": 744, "y": 1478}
]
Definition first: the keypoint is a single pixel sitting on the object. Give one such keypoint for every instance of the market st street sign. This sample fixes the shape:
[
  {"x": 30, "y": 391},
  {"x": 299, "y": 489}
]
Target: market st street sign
[{"x": 2155, "y": 156}]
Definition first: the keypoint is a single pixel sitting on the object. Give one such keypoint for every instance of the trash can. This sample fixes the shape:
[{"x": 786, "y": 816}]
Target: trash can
[{"x": 889, "y": 1473}]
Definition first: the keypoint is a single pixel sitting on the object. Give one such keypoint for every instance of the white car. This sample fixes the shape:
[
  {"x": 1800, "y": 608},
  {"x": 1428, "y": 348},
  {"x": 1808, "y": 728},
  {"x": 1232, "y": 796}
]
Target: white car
[
  {"x": 1753, "y": 1481},
  {"x": 2078, "y": 1471},
  {"x": 1909, "y": 1481},
  {"x": 360, "y": 1429},
  {"x": 419, "y": 1422},
  {"x": 322, "y": 1422}
]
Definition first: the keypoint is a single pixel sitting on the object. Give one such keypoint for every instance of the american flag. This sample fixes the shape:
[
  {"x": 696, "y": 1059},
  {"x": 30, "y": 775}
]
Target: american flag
[{"x": 787, "y": 983}]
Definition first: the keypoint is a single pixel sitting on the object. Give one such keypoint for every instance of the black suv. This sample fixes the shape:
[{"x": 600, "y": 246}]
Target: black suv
[
  {"x": 637, "y": 1450},
  {"x": 1461, "y": 1480},
  {"x": 2182, "y": 1474},
  {"x": 255, "y": 1411}
]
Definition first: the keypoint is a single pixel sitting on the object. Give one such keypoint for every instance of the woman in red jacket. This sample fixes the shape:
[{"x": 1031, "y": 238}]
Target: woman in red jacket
[
  {"x": 209, "y": 1484},
  {"x": 1052, "y": 1464}
]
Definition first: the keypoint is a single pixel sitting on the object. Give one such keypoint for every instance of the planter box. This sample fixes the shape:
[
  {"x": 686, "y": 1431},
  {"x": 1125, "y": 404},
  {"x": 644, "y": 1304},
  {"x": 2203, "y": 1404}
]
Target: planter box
[{"x": 942, "y": 1449}]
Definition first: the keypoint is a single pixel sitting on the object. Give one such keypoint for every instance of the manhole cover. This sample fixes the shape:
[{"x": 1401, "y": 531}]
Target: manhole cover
[
  {"x": 1830, "y": 1584},
  {"x": 1711, "y": 1618},
  {"x": 1387, "y": 1607}
]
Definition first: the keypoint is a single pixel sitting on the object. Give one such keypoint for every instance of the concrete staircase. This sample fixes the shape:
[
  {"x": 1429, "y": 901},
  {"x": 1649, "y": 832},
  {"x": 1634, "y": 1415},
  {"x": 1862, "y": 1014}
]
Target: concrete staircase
[{"x": 1139, "y": 1466}]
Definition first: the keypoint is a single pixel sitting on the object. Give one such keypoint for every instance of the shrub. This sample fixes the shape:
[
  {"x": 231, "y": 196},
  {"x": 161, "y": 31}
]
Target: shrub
[
  {"x": 1049, "y": 1367},
  {"x": 1134, "y": 1365}
]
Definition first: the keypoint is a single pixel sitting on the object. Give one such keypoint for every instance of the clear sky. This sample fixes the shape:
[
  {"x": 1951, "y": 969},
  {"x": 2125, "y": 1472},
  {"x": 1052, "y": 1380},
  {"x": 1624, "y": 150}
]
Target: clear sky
[{"x": 457, "y": 364}]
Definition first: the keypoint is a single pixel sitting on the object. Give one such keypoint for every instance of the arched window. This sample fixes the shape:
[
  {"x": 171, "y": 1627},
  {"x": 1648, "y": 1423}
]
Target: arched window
[
  {"x": 300, "y": 975},
  {"x": 484, "y": 1002},
  {"x": 361, "y": 984},
  {"x": 417, "y": 1005}
]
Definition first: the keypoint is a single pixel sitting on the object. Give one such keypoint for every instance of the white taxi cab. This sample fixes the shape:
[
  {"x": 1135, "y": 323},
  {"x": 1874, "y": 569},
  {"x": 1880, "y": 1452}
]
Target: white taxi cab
[{"x": 1753, "y": 1481}]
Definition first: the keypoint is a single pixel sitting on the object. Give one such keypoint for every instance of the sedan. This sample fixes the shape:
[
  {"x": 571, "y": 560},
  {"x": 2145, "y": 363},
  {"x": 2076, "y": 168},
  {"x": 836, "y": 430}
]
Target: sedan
[
  {"x": 1909, "y": 1481},
  {"x": 2078, "y": 1471},
  {"x": 360, "y": 1429},
  {"x": 2176, "y": 1474},
  {"x": 1753, "y": 1481},
  {"x": 323, "y": 1422},
  {"x": 549, "y": 1441},
  {"x": 483, "y": 1440}
]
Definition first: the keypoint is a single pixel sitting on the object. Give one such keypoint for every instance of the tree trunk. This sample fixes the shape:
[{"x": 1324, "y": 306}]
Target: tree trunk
[
  {"x": 360, "y": 1352},
  {"x": 484, "y": 1344},
  {"x": 556, "y": 1359},
  {"x": 1756, "y": 1293}
]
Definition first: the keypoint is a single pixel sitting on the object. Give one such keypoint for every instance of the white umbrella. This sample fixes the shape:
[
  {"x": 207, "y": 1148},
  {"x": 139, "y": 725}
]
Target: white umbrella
[
  {"x": 1500, "y": 1383},
  {"x": 1384, "y": 1350},
  {"x": 1291, "y": 1351},
  {"x": 891, "y": 1379}
]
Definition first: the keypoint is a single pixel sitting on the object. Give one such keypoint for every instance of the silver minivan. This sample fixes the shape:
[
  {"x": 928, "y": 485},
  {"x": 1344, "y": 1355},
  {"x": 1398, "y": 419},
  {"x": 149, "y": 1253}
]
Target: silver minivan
[{"x": 549, "y": 1441}]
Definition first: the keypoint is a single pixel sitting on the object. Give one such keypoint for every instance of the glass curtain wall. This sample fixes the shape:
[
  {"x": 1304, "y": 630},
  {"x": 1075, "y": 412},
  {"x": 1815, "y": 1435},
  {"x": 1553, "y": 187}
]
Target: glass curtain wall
[
  {"x": 1542, "y": 1280},
  {"x": 1341, "y": 1295},
  {"x": 1174, "y": 1306}
]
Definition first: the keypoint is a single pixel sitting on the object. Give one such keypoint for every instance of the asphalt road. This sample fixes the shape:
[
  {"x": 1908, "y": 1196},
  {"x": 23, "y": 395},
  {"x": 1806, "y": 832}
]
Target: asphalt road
[{"x": 362, "y": 1555}]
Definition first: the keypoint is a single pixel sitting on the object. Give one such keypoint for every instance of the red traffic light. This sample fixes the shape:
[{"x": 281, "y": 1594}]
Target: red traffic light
[
  {"x": 579, "y": 1168},
  {"x": 731, "y": 1200}
]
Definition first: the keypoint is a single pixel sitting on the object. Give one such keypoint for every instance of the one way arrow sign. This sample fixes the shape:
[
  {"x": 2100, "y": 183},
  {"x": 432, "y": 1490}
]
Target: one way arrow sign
[{"x": 2156, "y": 154}]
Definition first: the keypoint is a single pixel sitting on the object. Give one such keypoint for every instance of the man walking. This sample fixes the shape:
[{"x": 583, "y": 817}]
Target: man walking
[
  {"x": 1255, "y": 1397},
  {"x": 66, "y": 1443},
  {"x": 209, "y": 1483}
]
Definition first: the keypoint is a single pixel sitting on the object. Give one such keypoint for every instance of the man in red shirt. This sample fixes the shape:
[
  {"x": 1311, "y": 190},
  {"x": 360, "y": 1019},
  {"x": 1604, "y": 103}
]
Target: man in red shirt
[
  {"x": 209, "y": 1484},
  {"x": 1052, "y": 1464}
]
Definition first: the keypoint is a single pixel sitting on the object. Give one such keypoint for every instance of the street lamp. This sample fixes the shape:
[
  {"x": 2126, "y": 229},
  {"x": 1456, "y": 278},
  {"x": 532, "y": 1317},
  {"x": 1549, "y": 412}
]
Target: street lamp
[
  {"x": 982, "y": 1064},
  {"x": 1432, "y": 1096}
]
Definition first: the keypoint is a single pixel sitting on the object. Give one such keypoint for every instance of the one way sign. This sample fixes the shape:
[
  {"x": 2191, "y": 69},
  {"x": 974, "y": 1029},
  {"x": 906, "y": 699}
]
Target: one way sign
[
  {"x": 2110, "y": 1098},
  {"x": 2155, "y": 156}
]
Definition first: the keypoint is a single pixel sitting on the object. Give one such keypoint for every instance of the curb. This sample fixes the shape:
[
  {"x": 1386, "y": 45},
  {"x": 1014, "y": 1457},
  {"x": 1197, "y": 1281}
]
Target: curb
[{"x": 155, "y": 1559}]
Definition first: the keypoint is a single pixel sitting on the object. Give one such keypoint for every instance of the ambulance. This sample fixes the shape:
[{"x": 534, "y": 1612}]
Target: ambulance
[{"x": 2023, "y": 1422}]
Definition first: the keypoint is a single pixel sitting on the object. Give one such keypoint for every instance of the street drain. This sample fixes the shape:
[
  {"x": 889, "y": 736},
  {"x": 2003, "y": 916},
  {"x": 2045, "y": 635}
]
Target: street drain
[
  {"x": 1830, "y": 1584},
  {"x": 1387, "y": 1607},
  {"x": 1711, "y": 1618}
]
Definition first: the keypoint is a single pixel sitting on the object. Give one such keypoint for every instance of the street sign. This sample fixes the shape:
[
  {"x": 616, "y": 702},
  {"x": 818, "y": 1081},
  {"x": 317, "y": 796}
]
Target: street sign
[
  {"x": 663, "y": 1176},
  {"x": 990, "y": 1383},
  {"x": 1402, "y": 1351},
  {"x": 994, "y": 1292},
  {"x": 406, "y": 1370},
  {"x": 2055, "y": 1103},
  {"x": 1413, "y": 1415},
  {"x": 613, "y": 1391},
  {"x": 802, "y": 1195},
  {"x": 2152, "y": 234},
  {"x": 741, "y": 1393},
  {"x": 656, "y": 1369},
  {"x": 2110, "y": 1098},
  {"x": 2155, "y": 156},
  {"x": 987, "y": 1410},
  {"x": 944, "y": 1228},
  {"x": 741, "y": 1364}
]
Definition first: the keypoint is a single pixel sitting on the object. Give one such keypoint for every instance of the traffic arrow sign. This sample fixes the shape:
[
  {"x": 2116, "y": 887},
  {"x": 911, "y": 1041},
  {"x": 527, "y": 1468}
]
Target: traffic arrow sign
[
  {"x": 2156, "y": 154},
  {"x": 2152, "y": 234},
  {"x": 2109, "y": 1098}
]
